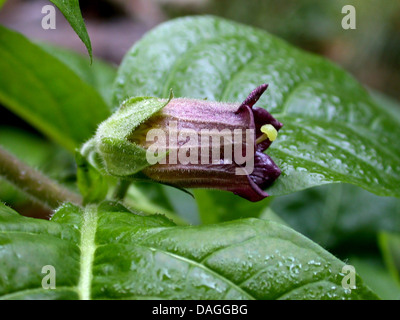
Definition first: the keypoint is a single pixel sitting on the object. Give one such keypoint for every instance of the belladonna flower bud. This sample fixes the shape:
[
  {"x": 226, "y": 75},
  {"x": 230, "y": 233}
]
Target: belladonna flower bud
[{"x": 191, "y": 143}]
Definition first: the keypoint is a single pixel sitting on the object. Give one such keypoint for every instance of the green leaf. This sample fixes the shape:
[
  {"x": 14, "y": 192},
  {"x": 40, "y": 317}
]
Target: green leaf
[
  {"x": 108, "y": 252},
  {"x": 342, "y": 217},
  {"x": 333, "y": 131},
  {"x": 72, "y": 12},
  {"x": 99, "y": 74},
  {"x": 390, "y": 246},
  {"x": 46, "y": 93}
]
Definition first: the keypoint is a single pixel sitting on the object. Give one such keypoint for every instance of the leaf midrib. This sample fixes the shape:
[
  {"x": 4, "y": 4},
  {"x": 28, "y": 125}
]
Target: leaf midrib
[{"x": 88, "y": 247}]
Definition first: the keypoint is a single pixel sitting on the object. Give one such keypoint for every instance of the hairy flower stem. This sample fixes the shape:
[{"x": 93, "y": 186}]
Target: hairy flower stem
[
  {"x": 34, "y": 183},
  {"x": 121, "y": 189}
]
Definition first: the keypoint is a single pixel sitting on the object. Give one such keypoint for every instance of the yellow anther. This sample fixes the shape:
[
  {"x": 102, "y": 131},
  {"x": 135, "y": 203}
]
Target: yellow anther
[{"x": 269, "y": 132}]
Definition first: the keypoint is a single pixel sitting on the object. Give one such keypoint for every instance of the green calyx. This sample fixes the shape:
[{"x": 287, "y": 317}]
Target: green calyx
[{"x": 110, "y": 150}]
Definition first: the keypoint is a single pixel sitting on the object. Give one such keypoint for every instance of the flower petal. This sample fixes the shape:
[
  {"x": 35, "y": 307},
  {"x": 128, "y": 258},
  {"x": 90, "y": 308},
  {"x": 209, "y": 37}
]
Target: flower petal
[
  {"x": 254, "y": 96},
  {"x": 265, "y": 170}
]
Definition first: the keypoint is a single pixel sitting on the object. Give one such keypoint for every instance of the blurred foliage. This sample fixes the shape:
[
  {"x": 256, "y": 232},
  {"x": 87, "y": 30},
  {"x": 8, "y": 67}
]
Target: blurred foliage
[
  {"x": 376, "y": 276},
  {"x": 56, "y": 162},
  {"x": 219, "y": 206},
  {"x": 53, "y": 104},
  {"x": 390, "y": 246},
  {"x": 340, "y": 216},
  {"x": 98, "y": 74}
]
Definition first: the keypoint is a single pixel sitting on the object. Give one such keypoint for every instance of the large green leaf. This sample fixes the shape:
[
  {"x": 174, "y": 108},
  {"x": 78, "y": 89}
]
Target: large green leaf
[
  {"x": 47, "y": 93},
  {"x": 333, "y": 131},
  {"x": 72, "y": 12},
  {"x": 99, "y": 74},
  {"x": 108, "y": 252}
]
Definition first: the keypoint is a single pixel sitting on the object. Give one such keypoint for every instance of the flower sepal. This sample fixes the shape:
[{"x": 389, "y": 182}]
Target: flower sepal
[{"x": 110, "y": 150}]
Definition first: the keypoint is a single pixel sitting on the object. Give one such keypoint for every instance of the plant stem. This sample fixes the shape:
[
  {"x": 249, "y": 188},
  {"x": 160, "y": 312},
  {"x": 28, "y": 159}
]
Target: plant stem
[
  {"x": 121, "y": 189},
  {"x": 34, "y": 183}
]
